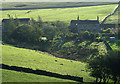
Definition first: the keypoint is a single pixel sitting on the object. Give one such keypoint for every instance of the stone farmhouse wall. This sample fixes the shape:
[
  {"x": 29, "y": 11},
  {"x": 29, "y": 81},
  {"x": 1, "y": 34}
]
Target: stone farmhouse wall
[
  {"x": 85, "y": 25},
  {"x": 88, "y": 27}
]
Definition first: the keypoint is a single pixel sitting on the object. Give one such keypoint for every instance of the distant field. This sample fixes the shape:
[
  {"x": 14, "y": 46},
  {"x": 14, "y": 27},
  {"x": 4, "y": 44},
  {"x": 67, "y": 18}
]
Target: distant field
[
  {"x": 114, "y": 18},
  {"x": 24, "y": 5},
  {"x": 39, "y": 60},
  {"x": 64, "y": 14}
]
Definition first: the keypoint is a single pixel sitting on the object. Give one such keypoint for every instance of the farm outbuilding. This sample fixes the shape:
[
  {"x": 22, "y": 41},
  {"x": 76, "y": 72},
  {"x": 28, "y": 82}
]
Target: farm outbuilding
[{"x": 22, "y": 21}]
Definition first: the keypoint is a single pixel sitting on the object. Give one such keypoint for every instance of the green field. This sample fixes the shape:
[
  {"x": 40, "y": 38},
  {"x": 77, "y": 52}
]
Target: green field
[
  {"x": 43, "y": 61},
  {"x": 23, "y": 5},
  {"x": 64, "y": 14},
  {"x": 113, "y": 19},
  {"x": 14, "y": 76}
]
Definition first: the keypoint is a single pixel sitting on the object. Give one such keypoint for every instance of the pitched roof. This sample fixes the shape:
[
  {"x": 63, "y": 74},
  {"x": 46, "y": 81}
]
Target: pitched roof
[
  {"x": 85, "y": 21},
  {"x": 20, "y": 19}
]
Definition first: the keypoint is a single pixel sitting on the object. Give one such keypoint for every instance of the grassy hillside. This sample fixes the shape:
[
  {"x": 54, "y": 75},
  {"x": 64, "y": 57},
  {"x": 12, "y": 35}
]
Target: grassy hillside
[
  {"x": 17, "y": 5},
  {"x": 38, "y": 60},
  {"x": 113, "y": 19},
  {"x": 14, "y": 76},
  {"x": 64, "y": 14}
]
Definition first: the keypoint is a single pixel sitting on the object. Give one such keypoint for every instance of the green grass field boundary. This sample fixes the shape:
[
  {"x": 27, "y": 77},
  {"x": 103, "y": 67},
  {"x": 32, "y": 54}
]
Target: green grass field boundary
[
  {"x": 42, "y": 72},
  {"x": 116, "y": 9}
]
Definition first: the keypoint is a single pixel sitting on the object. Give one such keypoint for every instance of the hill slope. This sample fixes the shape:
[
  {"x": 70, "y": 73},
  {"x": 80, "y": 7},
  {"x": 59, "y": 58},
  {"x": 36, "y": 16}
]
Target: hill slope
[
  {"x": 114, "y": 17},
  {"x": 38, "y": 60},
  {"x": 35, "y": 5},
  {"x": 64, "y": 14},
  {"x": 14, "y": 76}
]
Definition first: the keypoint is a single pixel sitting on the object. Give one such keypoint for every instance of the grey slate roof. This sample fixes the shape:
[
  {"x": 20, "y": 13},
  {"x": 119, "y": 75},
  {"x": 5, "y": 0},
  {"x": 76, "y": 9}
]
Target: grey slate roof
[
  {"x": 85, "y": 21},
  {"x": 20, "y": 19}
]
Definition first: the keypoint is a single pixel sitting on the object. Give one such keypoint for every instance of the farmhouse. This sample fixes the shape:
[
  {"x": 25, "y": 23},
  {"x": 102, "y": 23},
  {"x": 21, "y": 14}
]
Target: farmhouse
[
  {"x": 22, "y": 21},
  {"x": 85, "y": 25}
]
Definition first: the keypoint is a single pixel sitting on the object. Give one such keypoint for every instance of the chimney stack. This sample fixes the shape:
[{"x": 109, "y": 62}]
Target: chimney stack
[
  {"x": 97, "y": 18},
  {"x": 78, "y": 17}
]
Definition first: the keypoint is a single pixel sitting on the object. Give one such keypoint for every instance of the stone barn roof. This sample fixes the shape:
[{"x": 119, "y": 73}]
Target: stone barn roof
[
  {"x": 20, "y": 19},
  {"x": 85, "y": 21}
]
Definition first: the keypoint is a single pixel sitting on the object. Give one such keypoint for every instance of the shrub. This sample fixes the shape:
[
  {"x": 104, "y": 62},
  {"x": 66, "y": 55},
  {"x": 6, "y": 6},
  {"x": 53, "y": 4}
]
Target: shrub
[
  {"x": 68, "y": 45},
  {"x": 25, "y": 33}
]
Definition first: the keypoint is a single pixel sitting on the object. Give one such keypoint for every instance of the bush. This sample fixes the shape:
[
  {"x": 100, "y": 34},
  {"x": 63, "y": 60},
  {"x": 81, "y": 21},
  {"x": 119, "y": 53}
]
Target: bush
[
  {"x": 68, "y": 45},
  {"x": 107, "y": 30},
  {"x": 49, "y": 31},
  {"x": 25, "y": 33}
]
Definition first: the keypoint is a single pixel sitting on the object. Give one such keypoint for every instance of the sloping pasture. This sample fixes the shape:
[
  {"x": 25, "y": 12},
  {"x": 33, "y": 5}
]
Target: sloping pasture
[
  {"x": 21, "y": 57},
  {"x": 63, "y": 14}
]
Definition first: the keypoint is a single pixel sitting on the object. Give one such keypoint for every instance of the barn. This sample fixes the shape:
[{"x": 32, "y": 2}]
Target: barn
[{"x": 21, "y": 20}]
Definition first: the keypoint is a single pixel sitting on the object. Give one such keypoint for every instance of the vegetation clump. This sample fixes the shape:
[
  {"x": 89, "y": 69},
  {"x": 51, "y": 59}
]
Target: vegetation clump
[{"x": 105, "y": 67}]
